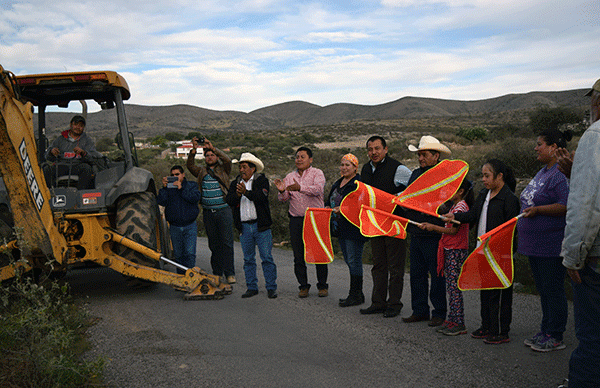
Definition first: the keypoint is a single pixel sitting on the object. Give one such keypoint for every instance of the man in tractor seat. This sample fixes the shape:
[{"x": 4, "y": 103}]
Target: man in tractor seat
[{"x": 75, "y": 150}]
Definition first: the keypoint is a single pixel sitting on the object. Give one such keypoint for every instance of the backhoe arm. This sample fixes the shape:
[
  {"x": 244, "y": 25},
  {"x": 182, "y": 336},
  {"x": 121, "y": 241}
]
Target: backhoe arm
[{"x": 29, "y": 196}]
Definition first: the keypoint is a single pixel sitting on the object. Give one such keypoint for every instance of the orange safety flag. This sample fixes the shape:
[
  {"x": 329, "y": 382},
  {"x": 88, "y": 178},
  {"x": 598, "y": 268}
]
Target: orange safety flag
[
  {"x": 316, "y": 236},
  {"x": 375, "y": 222},
  {"x": 490, "y": 265},
  {"x": 365, "y": 195},
  {"x": 434, "y": 187}
]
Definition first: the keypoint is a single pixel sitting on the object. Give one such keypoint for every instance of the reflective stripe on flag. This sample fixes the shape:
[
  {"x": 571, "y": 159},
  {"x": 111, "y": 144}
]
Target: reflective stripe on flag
[
  {"x": 316, "y": 236},
  {"x": 490, "y": 266},
  {"x": 375, "y": 222}
]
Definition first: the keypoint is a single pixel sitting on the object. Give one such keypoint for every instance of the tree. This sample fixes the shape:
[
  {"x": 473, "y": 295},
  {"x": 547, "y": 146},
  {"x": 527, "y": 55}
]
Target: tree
[
  {"x": 545, "y": 117},
  {"x": 105, "y": 144},
  {"x": 173, "y": 136}
]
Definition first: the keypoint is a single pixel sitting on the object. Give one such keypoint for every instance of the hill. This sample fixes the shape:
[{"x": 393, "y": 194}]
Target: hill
[{"x": 148, "y": 121}]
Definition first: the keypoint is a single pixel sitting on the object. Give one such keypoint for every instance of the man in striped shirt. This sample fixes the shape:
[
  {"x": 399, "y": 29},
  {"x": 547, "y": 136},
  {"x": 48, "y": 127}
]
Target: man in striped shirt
[{"x": 213, "y": 180}]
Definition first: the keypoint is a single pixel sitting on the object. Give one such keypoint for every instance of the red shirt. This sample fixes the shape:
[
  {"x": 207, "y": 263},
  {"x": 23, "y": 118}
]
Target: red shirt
[{"x": 460, "y": 240}]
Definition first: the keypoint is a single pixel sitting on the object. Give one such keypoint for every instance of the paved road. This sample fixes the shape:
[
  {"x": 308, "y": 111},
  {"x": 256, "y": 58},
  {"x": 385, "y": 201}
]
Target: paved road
[{"x": 155, "y": 339}]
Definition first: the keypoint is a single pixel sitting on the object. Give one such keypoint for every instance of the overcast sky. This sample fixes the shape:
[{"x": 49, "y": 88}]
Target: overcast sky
[{"x": 244, "y": 55}]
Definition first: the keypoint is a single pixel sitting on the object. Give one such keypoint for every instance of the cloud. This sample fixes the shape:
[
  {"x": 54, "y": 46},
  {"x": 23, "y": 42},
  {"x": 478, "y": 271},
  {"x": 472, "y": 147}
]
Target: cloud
[{"x": 244, "y": 55}]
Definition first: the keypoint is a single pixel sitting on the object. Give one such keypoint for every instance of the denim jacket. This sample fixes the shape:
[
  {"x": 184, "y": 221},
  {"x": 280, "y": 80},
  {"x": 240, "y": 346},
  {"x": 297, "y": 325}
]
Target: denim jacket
[{"x": 582, "y": 238}]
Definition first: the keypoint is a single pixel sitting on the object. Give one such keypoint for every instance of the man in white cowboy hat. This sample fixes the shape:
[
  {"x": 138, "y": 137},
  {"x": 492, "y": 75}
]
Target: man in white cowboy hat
[
  {"x": 424, "y": 245},
  {"x": 248, "y": 197}
]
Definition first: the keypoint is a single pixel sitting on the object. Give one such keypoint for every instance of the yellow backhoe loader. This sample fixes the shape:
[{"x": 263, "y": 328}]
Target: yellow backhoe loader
[{"x": 116, "y": 224}]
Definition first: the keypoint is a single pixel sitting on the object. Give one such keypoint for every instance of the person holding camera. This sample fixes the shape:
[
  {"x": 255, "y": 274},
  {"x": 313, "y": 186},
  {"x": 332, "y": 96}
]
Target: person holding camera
[
  {"x": 180, "y": 198},
  {"x": 213, "y": 181}
]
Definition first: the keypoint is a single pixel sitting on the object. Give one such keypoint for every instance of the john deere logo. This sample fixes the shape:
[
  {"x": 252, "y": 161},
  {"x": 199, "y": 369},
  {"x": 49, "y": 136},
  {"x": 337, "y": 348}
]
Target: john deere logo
[{"x": 31, "y": 181}]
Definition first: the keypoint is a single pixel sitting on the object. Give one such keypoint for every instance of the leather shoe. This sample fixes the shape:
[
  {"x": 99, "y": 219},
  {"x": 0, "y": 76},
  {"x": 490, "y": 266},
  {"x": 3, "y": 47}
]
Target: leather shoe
[
  {"x": 249, "y": 293},
  {"x": 415, "y": 318},
  {"x": 271, "y": 294},
  {"x": 323, "y": 292},
  {"x": 303, "y": 293},
  {"x": 390, "y": 312},
  {"x": 372, "y": 310},
  {"x": 436, "y": 321}
]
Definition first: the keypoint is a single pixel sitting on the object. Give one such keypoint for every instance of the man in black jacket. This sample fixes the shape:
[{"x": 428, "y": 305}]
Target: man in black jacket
[
  {"x": 248, "y": 196},
  {"x": 389, "y": 253},
  {"x": 180, "y": 199},
  {"x": 424, "y": 246}
]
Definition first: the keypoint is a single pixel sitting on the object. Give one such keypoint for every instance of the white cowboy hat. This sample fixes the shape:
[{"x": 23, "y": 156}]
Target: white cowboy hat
[
  {"x": 248, "y": 157},
  {"x": 432, "y": 144}
]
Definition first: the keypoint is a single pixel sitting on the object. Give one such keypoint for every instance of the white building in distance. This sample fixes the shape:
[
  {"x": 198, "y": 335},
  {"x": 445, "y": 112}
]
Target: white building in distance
[{"x": 183, "y": 150}]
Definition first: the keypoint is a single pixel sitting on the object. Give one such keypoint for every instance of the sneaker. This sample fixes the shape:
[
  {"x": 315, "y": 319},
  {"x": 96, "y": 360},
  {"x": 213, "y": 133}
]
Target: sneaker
[
  {"x": 533, "y": 340},
  {"x": 455, "y": 329},
  {"x": 480, "y": 333},
  {"x": 443, "y": 327},
  {"x": 231, "y": 279},
  {"x": 271, "y": 294},
  {"x": 496, "y": 339},
  {"x": 548, "y": 344}
]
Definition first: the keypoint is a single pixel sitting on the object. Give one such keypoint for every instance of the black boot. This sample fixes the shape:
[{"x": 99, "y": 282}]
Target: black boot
[{"x": 356, "y": 296}]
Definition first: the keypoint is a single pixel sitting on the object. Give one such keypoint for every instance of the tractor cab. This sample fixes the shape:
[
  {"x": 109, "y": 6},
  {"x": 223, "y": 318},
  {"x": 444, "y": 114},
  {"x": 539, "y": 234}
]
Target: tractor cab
[{"x": 110, "y": 178}]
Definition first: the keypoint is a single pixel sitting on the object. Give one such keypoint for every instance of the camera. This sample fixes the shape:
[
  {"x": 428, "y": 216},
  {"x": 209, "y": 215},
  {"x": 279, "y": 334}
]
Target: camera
[
  {"x": 170, "y": 182},
  {"x": 201, "y": 140}
]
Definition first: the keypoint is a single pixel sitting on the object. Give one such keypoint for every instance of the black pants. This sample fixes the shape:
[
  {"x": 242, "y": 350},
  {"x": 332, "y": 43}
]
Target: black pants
[
  {"x": 496, "y": 310},
  {"x": 299, "y": 263},
  {"x": 81, "y": 169},
  {"x": 389, "y": 255}
]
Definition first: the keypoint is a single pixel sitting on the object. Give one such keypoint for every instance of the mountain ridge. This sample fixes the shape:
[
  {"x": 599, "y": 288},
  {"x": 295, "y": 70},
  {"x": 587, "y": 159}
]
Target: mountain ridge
[{"x": 149, "y": 121}]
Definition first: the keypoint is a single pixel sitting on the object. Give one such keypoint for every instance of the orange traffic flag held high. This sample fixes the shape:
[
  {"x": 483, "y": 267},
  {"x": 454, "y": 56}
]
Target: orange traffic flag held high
[
  {"x": 375, "y": 222},
  {"x": 316, "y": 236},
  {"x": 364, "y": 194},
  {"x": 490, "y": 265},
  {"x": 434, "y": 187}
]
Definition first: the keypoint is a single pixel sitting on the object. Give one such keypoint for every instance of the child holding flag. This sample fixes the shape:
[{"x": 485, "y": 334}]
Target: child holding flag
[
  {"x": 494, "y": 205},
  {"x": 452, "y": 252}
]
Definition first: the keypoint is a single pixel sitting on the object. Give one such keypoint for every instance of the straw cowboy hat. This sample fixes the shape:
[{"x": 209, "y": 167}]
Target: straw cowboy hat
[
  {"x": 432, "y": 144},
  {"x": 248, "y": 157}
]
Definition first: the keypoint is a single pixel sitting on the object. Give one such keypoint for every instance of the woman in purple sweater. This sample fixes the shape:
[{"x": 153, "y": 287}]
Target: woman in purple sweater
[{"x": 541, "y": 231}]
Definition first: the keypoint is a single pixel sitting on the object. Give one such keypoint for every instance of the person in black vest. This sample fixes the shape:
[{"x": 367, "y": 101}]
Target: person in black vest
[
  {"x": 424, "y": 245},
  {"x": 389, "y": 253}
]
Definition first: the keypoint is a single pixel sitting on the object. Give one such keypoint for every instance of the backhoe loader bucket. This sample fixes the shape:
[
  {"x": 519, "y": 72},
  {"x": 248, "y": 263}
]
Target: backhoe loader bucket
[{"x": 210, "y": 287}]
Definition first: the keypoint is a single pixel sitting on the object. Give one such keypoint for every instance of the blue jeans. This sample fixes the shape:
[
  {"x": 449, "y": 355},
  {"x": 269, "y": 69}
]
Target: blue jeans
[
  {"x": 219, "y": 230},
  {"x": 423, "y": 261},
  {"x": 251, "y": 238},
  {"x": 584, "y": 366},
  {"x": 184, "y": 244},
  {"x": 549, "y": 276},
  {"x": 352, "y": 251}
]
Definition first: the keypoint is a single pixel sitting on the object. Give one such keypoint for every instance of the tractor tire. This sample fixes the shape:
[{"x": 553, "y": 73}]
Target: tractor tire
[{"x": 136, "y": 219}]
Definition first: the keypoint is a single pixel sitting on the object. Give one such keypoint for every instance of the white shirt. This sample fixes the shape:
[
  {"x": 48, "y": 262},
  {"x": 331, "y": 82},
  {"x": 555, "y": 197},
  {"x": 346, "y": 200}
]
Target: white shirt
[
  {"x": 482, "y": 225},
  {"x": 247, "y": 208}
]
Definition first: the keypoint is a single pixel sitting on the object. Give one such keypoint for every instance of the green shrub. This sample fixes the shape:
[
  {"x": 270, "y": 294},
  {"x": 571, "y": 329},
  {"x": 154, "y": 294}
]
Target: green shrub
[
  {"x": 473, "y": 133},
  {"x": 42, "y": 337}
]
